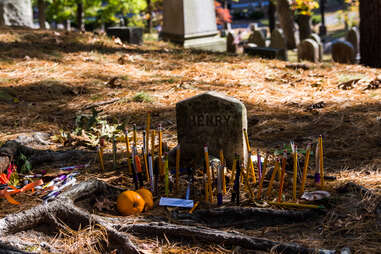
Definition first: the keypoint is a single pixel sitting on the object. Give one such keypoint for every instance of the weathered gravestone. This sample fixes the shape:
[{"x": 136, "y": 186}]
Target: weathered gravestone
[
  {"x": 16, "y": 13},
  {"x": 133, "y": 35},
  {"x": 192, "y": 23},
  {"x": 231, "y": 47},
  {"x": 278, "y": 41},
  {"x": 257, "y": 38},
  {"x": 308, "y": 50},
  {"x": 213, "y": 119},
  {"x": 353, "y": 36},
  {"x": 317, "y": 39},
  {"x": 343, "y": 52}
]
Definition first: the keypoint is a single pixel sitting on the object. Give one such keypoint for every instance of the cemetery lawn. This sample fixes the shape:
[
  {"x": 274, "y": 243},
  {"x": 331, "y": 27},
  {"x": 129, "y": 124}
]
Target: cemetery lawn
[{"x": 48, "y": 78}]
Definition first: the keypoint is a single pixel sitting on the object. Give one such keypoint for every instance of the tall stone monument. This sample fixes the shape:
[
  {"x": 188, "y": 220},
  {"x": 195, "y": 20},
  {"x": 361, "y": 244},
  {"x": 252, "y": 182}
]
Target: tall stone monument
[
  {"x": 211, "y": 119},
  {"x": 16, "y": 13},
  {"x": 192, "y": 23}
]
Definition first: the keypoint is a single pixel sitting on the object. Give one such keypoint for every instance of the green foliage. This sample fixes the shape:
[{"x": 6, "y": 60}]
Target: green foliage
[
  {"x": 24, "y": 164},
  {"x": 142, "y": 97},
  {"x": 315, "y": 19},
  {"x": 61, "y": 10}
]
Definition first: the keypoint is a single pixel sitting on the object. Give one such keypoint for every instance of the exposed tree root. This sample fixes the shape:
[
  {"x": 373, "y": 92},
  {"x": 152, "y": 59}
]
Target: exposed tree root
[
  {"x": 247, "y": 217},
  {"x": 207, "y": 235},
  {"x": 63, "y": 212}
]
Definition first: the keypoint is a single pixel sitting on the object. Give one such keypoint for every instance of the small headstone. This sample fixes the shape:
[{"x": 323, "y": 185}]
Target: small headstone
[
  {"x": 133, "y": 35},
  {"x": 353, "y": 36},
  {"x": 343, "y": 52},
  {"x": 278, "y": 41},
  {"x": 16, "y": 13},
  {"x": 317, "y": 39},
  {"x": 308, "y": 50},
  {"x": 231, "y": 47},
  {"x": 213, "y": 119},
  {"x": 257, "y": 38}
]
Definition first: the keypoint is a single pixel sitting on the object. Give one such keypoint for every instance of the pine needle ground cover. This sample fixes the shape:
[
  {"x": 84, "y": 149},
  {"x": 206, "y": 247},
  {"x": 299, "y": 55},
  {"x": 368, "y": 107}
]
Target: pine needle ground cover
[{"x": 48, "y": 78}]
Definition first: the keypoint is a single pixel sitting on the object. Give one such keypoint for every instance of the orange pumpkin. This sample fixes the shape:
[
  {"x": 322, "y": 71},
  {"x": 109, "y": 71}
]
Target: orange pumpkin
[
  {"x": 130, "y": 203},
  {"x": 147, "y": 196}
]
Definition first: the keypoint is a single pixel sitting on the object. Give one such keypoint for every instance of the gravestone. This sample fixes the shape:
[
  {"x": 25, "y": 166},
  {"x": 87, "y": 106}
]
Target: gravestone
[
  {"x": 278, "y": 41},
  {"x": 343, "y": 52},
  {"x": 267, "y": 53},
  {"x": 133, "y": 35},
  {"x": 231, "y": 47},
  {"x": 353, "y": 36},
  {"x": 257, "y": 38},
  {"x": 192, "y": 23},
  {"x": 213, "y": 119},
  {"x": 308, "y": 50},
  {"x": 317, "y": 39},
  {"x": 16, "y": 13}
]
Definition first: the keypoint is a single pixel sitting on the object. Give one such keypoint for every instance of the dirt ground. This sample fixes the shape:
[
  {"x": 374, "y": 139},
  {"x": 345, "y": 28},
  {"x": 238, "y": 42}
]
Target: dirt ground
[{"x": 48, "y": 78}]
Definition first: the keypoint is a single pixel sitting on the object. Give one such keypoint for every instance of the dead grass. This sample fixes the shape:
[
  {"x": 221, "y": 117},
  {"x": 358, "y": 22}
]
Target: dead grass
[{"x": 52, "y": 76}]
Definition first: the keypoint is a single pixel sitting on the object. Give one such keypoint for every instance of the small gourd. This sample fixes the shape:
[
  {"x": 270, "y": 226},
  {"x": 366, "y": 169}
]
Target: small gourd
[
  {"x": 147, "y": 196},
  {"x": 130, "y": 203}
]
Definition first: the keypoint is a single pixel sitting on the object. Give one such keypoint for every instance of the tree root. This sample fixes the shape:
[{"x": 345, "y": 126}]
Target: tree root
[
  {"x": 63, "y": 212},
  {"x": 247, "y": 217}
]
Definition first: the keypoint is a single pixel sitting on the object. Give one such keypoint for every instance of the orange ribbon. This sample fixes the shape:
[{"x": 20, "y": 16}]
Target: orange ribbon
[{"x": 7, "y": 194}]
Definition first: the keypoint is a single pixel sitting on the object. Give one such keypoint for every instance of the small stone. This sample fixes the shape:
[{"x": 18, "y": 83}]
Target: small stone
[
  {"x": 308, "y": 50},
  {"x": 343, "y": 52}
]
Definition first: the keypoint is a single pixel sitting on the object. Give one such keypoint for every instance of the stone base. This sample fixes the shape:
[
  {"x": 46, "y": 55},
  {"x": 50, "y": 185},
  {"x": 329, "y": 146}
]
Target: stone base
[{"x": 215, "y": 44}]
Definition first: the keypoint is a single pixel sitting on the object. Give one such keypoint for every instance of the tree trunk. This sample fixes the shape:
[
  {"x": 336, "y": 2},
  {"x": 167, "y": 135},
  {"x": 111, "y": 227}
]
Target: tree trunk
[
  {"x": 80, "y": 16},
  {"x": 370, "y": 39},
  {"x": 41, "y": 13},
  {"x": 149, "y": 12},
  {"x": 271, "y": 13},
  {"x": 286, "y": 19},
  {"x": 304, "y": 22}
]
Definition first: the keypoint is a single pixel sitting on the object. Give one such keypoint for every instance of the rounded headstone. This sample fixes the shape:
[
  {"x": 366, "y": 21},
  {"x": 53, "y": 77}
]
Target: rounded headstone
[
  {"x": 343, "y": 52},
  {"x": 316, "y": 38},
  {"x": 211, "y": 119},
  {"x": 257, "y": 38},
  {"x": 16, "y": 13},
  {"x": 308, "y": 50},
  {"x": 353, "y": 36},
  {"x": 278, "y": 40}
]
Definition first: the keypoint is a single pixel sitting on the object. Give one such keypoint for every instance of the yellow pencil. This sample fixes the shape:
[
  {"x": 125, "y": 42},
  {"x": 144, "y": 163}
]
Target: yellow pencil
[
  {"x": 305, "y": 168},
  {"x": 101, "y": 145},
  {"x": 234, "y": 166},
  {"x": 206, "y": 154},
  {"x": 128, "y": 152},
  {"x": 160, "y": 151},
  {"x": 134, "y": 134},
  {"x": 250, "y": 163},
  {"x": 294, "y": 183},
  {"x": 148, "y": 127},
  {"x": 321, "y": 161},
  {"x": 177, "y": 167},
  {"x": 101, "y": 159},
  {"x": 248, "y": 187},
  {"x": 284, "y": 161},
  {"x": 223, "y": 171},
  {"x": 194, "y": 207},
  {"x": 263, "y": 176},
  {"x": 146, "y": 166},
  {"x": 275, "y": 171}
]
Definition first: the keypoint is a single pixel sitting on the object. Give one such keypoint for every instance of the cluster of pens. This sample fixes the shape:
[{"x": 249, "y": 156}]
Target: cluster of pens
[
  {"x": 145, "y": 166},
  {"x": 55, "y": 186},
  {"x": 247, "y": 174}
]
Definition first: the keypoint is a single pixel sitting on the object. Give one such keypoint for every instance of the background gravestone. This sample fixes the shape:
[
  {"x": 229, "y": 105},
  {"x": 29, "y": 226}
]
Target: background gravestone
[
  {"x": 308, "y": 50},
  {"x": 278, "y": 41},
  {"x": 353, "y": 36},
  {"x": 317, "y": 39},
  {"x": 192, "y": 23},
  {"x": 213, "y": 119},
  {"x": 343, "y": 52},
  {"x": 257, "y": 38},
  {"x": 231, "y": 47},
  {"x": 16, "y": 13}
]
